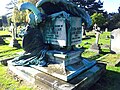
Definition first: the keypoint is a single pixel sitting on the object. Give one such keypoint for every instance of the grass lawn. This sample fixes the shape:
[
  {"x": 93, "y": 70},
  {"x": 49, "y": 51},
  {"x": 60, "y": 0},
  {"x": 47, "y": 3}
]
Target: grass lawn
[
  {"x": 110, "y": 81},
  {"x": 6, "y": 81}
]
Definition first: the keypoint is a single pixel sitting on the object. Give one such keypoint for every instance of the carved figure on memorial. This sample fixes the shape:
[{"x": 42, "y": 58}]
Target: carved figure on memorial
[{"x": 54, "y": 23}]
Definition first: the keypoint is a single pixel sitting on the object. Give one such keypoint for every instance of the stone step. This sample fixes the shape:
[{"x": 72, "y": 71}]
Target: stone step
[{"x": 48, "y": 82}]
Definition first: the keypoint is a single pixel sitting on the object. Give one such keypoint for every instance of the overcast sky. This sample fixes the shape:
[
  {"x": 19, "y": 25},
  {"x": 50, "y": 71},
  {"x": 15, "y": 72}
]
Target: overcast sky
[{"x": 108, "y": 5}]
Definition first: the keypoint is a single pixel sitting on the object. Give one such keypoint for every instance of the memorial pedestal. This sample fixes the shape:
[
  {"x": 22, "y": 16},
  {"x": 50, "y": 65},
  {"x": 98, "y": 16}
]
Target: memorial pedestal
[
  {"x": 66, "y": 71},
  {"x": 65, "y": 65},
  {"x": 34, "y": 76},
  {"x": 96, "y": 48}
]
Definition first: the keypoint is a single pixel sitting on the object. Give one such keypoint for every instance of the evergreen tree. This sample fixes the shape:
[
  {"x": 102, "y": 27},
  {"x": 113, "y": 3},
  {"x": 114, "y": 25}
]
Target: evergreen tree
[
  {"x": 114, "y": 21},
  {"x": 119, "y": 9},
  {"x": 92, "y": 6},
  {"x": 98, "y": 18}
]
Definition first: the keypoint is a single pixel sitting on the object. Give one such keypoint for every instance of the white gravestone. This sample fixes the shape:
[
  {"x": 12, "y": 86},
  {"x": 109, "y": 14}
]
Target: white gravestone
[
  {"x": 13, "y": 42},
  {"x": 115, "y": 41}
]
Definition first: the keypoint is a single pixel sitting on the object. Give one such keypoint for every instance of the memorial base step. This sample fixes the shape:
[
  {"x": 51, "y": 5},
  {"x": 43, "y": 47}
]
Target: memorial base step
[{"x": 47, "y": 82}]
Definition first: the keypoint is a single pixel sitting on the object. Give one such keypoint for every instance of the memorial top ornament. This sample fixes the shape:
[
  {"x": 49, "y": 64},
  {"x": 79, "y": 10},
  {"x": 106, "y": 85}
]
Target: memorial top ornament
[{"x": 54, "y": 27}]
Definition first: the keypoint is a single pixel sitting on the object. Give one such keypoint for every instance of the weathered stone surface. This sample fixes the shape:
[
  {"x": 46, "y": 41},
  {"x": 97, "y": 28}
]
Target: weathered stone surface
[
  {"x": 68, "y": 72},
  {"x": 115, "y": 41},
  {"x": 48, "y": 82},
  {"x": 95, "y": 48},
  {"x": 63, "y": 32}
]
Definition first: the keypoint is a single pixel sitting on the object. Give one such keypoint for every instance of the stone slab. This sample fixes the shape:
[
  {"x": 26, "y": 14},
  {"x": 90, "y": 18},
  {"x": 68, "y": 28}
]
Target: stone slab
[
  {"x": 95, "y": 47},
  {"x": 48, "y": 82},
  {"x": 53, "y": 33},
  {"x": 66, "y": 73},
  {"x": 114, "y": 42},
  {"x": 65, "y": 65}
]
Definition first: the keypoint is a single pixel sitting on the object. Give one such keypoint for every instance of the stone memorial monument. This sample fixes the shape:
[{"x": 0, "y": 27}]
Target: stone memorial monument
[
  {"x": 13, "y": 42},
  {"x": 51, "y": 58},
  {"x": 114, "y": 42},
  {"x": 96, "y": 47}
]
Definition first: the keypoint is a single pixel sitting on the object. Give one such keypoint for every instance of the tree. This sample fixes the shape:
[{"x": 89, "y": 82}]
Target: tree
[
  {"x": 98, "y": 18},
  {"x": 90, "y": 5},
  {"x": 119, "y": 9},
  {"x": 10, "y": 6},
  {"x": 114, "y": 21}
]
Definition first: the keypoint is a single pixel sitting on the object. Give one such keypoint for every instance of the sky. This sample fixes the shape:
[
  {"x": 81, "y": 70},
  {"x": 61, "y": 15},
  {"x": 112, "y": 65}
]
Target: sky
[
  {"x": 111, "y": 5},
  {"x": 3, "y": 10},
  {"x": 108, "y": 5}
]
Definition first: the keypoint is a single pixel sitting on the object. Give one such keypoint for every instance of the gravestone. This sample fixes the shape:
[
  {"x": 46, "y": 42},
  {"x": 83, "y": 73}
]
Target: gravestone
[
  {"x": 106, "y": 29},
  {"x": 14, "y": 41},
  {"x": 114, "y": 42},
  {"x": 96, "y": 47},
  {"x": 51, "y": 58},
  {"x": 83, "y": 31}
]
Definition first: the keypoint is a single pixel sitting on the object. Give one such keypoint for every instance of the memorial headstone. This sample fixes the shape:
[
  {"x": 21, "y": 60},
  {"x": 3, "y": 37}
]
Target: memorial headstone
[
  {"x": 96, "y": 47},
  {"x": 14, "y": 41},
  {"x": 115, "y": 41},
  {"x": 95, "y": 27},
  {"x": 84, "y": 35},
  {"x": 83, "y": 31},
  {"x": 106, "y": 29}
]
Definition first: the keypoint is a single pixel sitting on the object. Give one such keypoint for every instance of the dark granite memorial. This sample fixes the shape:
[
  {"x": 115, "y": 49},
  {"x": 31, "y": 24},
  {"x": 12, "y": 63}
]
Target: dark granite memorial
[{"x": 51, "y": 58}]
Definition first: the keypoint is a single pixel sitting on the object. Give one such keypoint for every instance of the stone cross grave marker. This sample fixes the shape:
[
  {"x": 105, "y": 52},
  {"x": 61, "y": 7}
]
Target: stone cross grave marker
[
  {"x": 96, "y": 47},
  {"x": 14, "y": 41}
]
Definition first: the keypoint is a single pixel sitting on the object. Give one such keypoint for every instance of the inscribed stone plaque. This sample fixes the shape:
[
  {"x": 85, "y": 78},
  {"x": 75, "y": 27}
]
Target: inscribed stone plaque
[{"x": 63, "y": 32}]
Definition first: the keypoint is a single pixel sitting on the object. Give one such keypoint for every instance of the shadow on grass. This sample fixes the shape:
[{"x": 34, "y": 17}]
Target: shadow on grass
[
  {"x": 98, "y": 55},
  {"x": 92, "y": 36},
  {"x": 8, "y": 50},
  {"x": 109, "y": 81},
  {"x": 4, "y": 36}
]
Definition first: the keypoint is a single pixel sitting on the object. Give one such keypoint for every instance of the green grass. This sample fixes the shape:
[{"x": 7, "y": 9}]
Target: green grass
[
  {"x": 6, "y": 32},
  {"x": 111, "y": 79},
  {"x": 8, "y": 83},
  {"x": 8, "y": 52},
  {"x": 6, "y": 80},
  {"x": 86, "y": 43}
]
